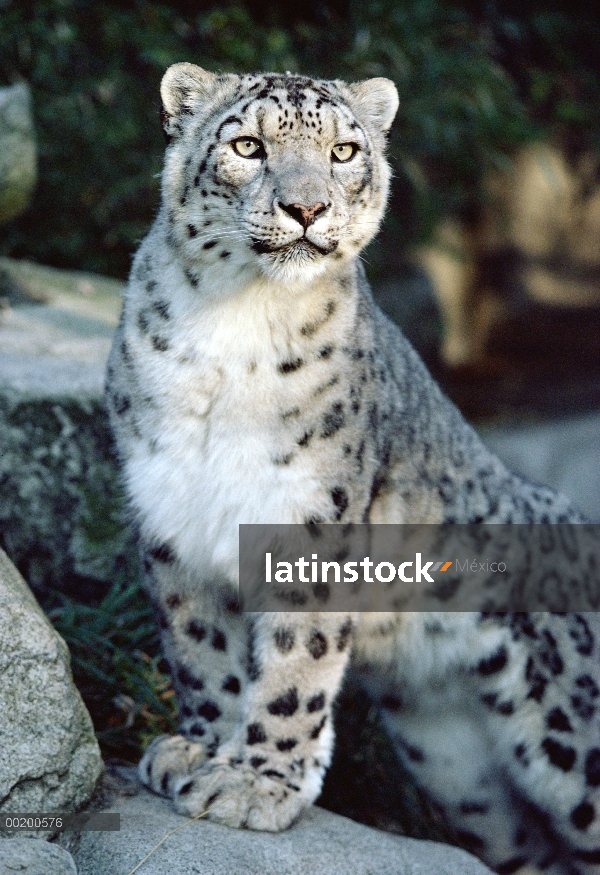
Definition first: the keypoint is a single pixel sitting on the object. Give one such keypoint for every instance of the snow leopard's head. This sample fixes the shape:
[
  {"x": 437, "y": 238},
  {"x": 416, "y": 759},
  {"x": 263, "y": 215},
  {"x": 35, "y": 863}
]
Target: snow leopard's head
[{"x": 280, "y": 171}]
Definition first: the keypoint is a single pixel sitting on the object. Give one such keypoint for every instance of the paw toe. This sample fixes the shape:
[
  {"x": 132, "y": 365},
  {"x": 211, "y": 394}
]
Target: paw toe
[{"x": 169, "y": 759}]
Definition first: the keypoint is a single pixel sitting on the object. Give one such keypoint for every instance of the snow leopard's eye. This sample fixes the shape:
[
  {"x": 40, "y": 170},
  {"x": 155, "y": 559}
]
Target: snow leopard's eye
[
  {"x": 248, "y": 147},
  {"x": 344, "y": 151}
]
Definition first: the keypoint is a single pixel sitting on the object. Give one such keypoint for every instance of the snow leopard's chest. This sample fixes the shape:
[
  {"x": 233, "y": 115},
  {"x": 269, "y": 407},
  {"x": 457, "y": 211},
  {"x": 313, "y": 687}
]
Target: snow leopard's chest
[{"x": 238, "y": 436}]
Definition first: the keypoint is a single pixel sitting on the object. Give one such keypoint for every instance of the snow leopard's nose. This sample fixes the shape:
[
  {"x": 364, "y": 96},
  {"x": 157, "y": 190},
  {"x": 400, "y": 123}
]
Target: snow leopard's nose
[{"x": 303, "y": 214}]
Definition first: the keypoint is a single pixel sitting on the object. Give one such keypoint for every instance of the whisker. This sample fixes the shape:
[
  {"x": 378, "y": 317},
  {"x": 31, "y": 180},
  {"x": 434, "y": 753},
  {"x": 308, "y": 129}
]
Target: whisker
[
  {"x": 203, "y": 238},
  {"x": 224, "y": 232}
]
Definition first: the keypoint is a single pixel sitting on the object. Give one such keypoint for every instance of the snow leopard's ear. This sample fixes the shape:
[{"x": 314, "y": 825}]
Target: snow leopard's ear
[
  {"x": 375, "y": 101},
  {"x": 183, "y": 88}
]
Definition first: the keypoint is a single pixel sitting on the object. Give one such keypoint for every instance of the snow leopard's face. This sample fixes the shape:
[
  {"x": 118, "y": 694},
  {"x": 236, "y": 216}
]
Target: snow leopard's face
[{"x": 282, "y": 172}]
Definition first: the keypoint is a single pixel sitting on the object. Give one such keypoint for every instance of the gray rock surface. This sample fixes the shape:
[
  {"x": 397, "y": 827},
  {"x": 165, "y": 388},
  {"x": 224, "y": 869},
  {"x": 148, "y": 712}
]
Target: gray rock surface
[
  {"x": 49, "y": 756},
  {"x": 564, "y": 454},
  {"x": 321, "y": 843},
  {"x": 61, "y": 512},
  {"x": 18, "y": 160},
  {"x": 29, "y": 856}
]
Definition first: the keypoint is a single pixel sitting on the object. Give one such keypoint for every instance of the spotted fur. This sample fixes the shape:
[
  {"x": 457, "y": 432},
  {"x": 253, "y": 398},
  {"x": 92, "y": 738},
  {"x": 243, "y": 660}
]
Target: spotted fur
[{"x": 253, "y": 379}]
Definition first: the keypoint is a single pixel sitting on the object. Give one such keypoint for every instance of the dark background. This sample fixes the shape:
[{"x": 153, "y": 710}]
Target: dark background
[{"x": 475, "y": 80}]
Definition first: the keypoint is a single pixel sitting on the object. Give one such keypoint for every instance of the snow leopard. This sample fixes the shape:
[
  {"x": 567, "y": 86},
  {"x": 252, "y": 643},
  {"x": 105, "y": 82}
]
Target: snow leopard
[{"x": 253, "y": 379}]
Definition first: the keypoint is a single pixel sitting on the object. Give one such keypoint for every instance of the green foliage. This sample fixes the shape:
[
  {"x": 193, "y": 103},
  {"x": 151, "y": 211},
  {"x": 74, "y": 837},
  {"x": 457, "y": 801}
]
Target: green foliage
[
  {"x": 474, "y": 79},
  {"x": 117, "y": 668}
]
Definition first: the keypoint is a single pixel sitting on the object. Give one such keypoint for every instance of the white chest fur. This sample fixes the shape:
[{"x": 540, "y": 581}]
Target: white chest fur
[{"x": 219, "y": 401}]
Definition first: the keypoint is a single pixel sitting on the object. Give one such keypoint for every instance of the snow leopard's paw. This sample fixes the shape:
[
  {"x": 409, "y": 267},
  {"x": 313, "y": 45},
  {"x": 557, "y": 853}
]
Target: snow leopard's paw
[{"x": 240, "y": 796}]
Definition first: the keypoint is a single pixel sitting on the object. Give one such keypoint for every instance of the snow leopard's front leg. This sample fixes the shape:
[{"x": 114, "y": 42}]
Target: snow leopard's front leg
[
  {"x": 205, "y": 640},
  {"x": 273, "y": 767}
]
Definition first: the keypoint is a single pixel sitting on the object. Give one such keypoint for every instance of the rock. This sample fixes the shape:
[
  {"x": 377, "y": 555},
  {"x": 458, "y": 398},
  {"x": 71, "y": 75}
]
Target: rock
[
  {"x": 321, "y": 843},
  {"x": 61, "y": 510},
  {"x": 28, "y": 856},
  {"x": 18, "y": 162},
  {"x": 50, "y": 759},
  {"x": 564, "y": 454}
]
